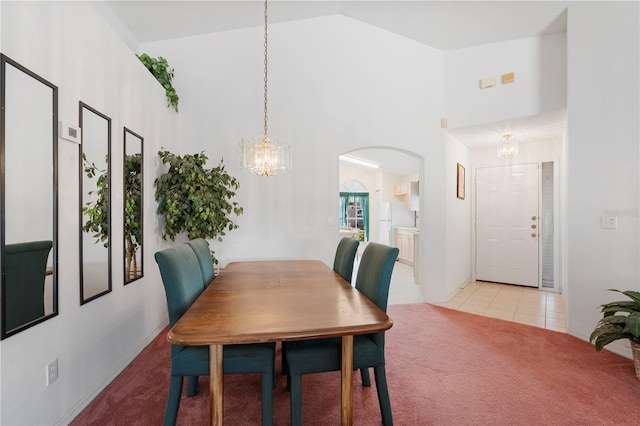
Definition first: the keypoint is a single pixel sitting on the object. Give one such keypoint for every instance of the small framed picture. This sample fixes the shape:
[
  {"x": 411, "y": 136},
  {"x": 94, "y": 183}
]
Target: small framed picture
[{"x": 460, "y": 182}]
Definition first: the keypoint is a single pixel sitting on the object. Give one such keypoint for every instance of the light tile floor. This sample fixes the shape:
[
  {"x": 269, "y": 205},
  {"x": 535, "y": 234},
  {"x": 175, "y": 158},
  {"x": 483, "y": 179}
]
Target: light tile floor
[
  {"x": 525, "y": 305},
  {"x": 520, "y": 304}
]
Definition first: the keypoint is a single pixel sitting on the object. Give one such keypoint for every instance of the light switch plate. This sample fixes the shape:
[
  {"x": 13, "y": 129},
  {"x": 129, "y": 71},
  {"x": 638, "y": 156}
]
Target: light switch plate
[{"x": 69, "y": 132}]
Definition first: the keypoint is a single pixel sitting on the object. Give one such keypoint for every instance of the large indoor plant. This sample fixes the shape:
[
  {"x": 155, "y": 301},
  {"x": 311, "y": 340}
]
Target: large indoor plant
[
  {"x": 161, "y": 70},
  {"x": 194, "y": 199},
  {"x": 620, "y": 320}
]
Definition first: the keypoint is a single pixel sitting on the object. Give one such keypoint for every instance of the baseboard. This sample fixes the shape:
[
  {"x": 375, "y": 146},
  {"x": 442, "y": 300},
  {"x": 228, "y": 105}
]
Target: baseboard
[{"x": 86, "y": 400}]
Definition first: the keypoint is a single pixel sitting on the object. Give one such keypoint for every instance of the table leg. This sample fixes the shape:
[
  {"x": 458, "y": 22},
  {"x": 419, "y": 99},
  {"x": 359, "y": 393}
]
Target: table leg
[
  {"x": 347, "y": 380},
  {"x": 216, "y": 394}
]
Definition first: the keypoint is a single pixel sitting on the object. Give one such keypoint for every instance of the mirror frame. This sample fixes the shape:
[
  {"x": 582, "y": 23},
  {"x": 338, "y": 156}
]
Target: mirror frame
[
  {"x": 84, "y": 300},
  {"x": 128, "y": 132},
  {"x": 4, "y": 60}
]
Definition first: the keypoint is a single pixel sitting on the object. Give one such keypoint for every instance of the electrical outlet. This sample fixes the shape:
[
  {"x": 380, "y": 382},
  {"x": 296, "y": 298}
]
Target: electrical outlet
[
  {"x": 52, "y": 371},
  {"x": 609, "y": 222}
]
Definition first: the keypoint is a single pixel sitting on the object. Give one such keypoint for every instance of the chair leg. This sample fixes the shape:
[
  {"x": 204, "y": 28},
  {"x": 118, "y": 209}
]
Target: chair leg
[
  {"x": 266, "y": 398},
  {"x": 192, "y": 386},
  {"x": 173, "y": 401},
  {"x": 380, "y": 375},
  {"x": 283, "y": 359},
  {"x": 364, "y": 374},
  {"x": 295, "y": 394}
]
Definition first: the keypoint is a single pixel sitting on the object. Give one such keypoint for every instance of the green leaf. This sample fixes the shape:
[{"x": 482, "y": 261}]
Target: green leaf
[
  {"x": 205, "y": 197},
  {"x": 159, "y": 68}
]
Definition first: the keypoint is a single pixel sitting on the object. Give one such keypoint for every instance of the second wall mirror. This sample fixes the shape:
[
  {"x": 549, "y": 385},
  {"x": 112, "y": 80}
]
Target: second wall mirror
[
  {"x": 95, "y": 204},
  {"x": 133, "y": 202}
]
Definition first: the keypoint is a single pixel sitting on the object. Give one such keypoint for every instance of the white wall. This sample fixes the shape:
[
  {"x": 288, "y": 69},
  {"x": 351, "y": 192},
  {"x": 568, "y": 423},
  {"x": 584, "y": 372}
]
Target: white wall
[
  {"x": 335, "y": 85},
  {"x": 603, "y": 127},
  {"x": 459, "y": 228},
  {"x": 539, "y": 64},
  {"x": 68, "y": 44}
]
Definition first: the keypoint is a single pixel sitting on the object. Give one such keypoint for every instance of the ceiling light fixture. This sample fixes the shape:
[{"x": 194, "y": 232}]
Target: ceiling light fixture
[
  {"x": 359, "y": 162},
  {"x": 507, "y": 147},
  {"x": 264, "y": 155}
]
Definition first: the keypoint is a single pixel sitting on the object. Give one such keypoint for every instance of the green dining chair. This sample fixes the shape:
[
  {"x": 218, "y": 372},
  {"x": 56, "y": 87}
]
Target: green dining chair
[
  {"x": 345, "y": 257},
  {"x": 315, "y": 356},
  {"x": 203, "y": 253},
  {"x": 343, "y": 265},
  {"x": 25, "y": 273},
  {"x": 183, "y": 283}
]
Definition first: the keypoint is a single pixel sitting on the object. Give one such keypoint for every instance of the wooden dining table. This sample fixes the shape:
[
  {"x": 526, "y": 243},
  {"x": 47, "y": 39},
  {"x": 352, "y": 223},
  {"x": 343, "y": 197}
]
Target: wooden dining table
[{"x": 267, "y": 301}]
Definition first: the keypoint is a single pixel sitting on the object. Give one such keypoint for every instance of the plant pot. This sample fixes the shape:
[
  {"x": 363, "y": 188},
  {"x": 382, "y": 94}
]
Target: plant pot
[{"x": 635, "y": 349}]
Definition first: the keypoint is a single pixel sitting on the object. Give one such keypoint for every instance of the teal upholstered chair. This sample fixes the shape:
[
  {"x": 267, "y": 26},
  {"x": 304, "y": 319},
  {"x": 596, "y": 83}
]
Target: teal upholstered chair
[
  {"x": 343, "y": 266},
  {"x": 25, "y": 272},
  {"x": 203, "y": 253},
  {"x": 183, "y": 282},
  {"x": 315, "y": 356},
  {"x": 345, "y": 256}
]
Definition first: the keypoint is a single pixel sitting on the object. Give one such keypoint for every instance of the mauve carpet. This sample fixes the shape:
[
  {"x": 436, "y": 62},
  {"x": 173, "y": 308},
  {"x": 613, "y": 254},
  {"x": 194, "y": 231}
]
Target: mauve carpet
[{"x": 444, "y": 367}]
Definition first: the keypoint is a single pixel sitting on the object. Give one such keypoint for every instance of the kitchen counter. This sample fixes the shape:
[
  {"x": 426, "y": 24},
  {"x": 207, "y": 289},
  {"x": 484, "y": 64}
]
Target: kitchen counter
[{"x": 410, "y": 229}]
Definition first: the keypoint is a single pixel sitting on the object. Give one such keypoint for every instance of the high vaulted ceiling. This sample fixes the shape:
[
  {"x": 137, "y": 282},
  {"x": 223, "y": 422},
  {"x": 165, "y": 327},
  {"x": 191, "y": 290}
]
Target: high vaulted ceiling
[
  {"x": 440, "y": 24},
  {"x": 443, "y": 25}
]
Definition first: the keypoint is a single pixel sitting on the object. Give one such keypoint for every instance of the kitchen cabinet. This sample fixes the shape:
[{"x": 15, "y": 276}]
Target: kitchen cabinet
[
  {"x": 401, "y": 189},
  {"x": 410, "y": 192},
  {"x": 413, "y": 197},
  {"x": 406, "y": 244}
]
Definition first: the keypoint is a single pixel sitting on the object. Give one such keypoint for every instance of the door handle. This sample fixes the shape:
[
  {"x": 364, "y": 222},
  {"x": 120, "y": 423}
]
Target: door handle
[
  {"x": 533, "y": 218},
  {"x": 533, "y": 235},
  {"x": 533, "y": 226}
]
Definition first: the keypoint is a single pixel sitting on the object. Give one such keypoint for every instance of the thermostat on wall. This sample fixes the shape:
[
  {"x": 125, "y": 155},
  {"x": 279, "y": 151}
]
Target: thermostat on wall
[{"x": 69, "y": 132}]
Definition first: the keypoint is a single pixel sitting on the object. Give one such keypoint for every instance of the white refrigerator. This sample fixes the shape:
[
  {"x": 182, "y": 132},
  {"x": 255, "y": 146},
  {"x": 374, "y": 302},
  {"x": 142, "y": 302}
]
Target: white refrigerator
[{"x": 392, "y": 215}]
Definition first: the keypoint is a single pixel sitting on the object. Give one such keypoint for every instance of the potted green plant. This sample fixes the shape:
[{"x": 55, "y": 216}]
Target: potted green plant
[
  {"x": 620, "y": 320},
  {"x": 194, "y": 199},
  {"x": 161, "y": 70}
]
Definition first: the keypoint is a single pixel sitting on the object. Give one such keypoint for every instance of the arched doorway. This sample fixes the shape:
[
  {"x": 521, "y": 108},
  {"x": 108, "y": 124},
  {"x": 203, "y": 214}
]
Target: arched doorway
[{"x": 379, "y": 172}]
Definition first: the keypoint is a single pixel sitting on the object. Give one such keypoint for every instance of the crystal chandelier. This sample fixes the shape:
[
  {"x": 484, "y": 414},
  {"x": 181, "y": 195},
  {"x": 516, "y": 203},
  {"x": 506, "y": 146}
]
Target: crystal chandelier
[
  {"x": 507, "y": 148},
  {"x": 264, "y": 155}
]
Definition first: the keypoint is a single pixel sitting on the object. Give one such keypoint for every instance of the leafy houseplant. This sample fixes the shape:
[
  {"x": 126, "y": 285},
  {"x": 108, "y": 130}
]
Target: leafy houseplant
[
  {"x": 161, "y": 70},
  {"x": 194, "y": 199},
  {"x": 621, "y": 320}
]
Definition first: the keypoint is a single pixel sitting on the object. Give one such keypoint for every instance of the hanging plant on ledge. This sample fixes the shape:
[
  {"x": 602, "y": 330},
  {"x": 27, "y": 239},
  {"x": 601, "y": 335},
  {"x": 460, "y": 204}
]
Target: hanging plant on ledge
[
  {"x": 160, "y": 69},
  {"x": 194, "y": 199}
]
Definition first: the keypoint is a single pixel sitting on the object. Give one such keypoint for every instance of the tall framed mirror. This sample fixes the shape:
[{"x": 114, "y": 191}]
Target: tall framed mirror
[
  {"x": 133, "y": 202},
  {"x": 95, "y": 204},
  {"x": 28, "y": 198}
]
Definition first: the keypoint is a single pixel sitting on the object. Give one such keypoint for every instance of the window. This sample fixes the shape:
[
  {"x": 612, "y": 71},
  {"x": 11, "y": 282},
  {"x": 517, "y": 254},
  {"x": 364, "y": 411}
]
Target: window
[{"x": 354, "y": 212}]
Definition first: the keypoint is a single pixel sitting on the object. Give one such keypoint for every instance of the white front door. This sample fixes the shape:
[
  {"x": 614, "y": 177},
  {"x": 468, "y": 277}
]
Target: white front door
[{"x": 507, "y": 224}]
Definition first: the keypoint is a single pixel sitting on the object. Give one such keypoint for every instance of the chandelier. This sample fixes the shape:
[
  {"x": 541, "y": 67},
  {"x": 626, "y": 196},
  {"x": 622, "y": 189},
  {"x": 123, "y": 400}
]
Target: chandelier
[
  {"x": 264, "y": 155},
  {"x": 507, "y": 148}
]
